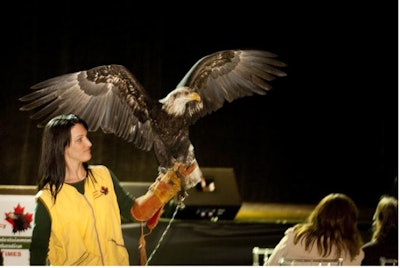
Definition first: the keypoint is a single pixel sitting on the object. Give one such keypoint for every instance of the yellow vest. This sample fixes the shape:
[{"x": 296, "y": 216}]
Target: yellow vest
[{"x": 86, "y": 229}]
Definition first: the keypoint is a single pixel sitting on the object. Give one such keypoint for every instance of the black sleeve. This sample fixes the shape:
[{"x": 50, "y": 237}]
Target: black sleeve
[
  {"x": 124, "y": 198},
  {"x": 40, "y": 235}
]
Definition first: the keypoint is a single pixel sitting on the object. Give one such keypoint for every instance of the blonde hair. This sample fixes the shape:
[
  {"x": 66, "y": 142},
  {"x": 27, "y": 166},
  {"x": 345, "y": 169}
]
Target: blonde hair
[{"x": 385, "y": 218}]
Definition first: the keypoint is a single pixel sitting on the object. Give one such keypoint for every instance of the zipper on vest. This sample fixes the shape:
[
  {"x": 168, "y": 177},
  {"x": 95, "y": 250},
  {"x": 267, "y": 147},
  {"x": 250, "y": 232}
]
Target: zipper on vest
[{"x": 95, "y": 228}]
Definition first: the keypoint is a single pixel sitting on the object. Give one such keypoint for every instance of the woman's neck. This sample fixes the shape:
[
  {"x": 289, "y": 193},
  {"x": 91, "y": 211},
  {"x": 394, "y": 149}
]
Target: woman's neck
[{"x": 75, "y": 175}]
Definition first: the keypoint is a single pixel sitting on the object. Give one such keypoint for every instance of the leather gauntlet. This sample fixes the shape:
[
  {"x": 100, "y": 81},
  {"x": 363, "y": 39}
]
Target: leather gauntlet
[{"x": 148, "y": 206}]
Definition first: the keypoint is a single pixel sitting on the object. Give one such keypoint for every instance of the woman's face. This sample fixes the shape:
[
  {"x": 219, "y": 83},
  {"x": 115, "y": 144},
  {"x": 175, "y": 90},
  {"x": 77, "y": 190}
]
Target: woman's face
[{"x": 79, "y": 147}]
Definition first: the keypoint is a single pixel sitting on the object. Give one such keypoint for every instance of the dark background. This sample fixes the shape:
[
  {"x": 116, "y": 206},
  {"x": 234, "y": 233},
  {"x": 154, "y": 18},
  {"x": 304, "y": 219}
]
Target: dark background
[{"x": 329, "y": 126}]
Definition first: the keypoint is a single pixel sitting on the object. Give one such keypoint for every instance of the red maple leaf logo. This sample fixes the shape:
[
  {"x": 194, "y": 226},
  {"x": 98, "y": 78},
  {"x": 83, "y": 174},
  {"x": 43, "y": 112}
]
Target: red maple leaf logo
[{"x": 18, "y": 219}]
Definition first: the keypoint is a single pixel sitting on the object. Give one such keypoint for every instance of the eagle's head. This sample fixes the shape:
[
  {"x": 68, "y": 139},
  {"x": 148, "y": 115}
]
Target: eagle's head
[{"x": 176, "y": 103}]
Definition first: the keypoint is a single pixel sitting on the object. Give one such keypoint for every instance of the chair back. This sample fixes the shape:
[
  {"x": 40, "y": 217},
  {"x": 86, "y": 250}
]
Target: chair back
[
  {"x": 310, "y": 262},
  {"x": 261, "y": 255},
  {"x": 388, "y": 262}
]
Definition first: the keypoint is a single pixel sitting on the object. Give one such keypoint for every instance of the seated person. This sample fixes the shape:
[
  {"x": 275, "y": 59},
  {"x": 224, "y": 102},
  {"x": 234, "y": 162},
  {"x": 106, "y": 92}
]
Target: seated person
[
  {"x": 330, "y": 232},
  {"x": 384, "y": 241}
]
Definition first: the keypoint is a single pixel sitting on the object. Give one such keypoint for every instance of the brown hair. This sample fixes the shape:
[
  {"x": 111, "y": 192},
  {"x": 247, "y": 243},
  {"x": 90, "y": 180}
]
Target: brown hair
[{"x": 333, "y": 222}]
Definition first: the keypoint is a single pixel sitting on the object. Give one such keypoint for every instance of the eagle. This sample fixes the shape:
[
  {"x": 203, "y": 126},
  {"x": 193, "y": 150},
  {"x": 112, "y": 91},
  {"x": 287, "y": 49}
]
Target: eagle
[{"x": 111, "y": 98}]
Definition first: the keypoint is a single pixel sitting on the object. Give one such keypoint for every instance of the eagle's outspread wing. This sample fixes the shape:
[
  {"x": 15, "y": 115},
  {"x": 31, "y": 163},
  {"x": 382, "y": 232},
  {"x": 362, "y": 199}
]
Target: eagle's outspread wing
[
  {"x": 228, "y": 75},
  {"x": 107, "y": 97}
]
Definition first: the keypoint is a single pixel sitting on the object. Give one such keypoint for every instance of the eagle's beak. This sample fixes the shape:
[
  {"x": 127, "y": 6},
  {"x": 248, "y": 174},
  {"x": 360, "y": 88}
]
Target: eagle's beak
[{"x": 194, "y": 97}]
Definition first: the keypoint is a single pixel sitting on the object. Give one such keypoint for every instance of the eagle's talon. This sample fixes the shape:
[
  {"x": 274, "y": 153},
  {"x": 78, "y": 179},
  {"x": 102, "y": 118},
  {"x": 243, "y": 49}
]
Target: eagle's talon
[{"x": 162, "y": 170}]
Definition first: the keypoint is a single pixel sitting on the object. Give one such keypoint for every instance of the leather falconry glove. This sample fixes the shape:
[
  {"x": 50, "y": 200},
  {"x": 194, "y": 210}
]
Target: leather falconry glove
[{"x": 148, "y": 207}]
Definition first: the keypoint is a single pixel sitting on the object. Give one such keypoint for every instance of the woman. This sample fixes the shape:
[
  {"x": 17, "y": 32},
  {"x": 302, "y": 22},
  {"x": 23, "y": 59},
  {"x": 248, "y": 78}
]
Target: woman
[
  {"x": 79, "y": 206},
  {"x": 330, "y": 232},
  {"x": 384, "y": 242}
]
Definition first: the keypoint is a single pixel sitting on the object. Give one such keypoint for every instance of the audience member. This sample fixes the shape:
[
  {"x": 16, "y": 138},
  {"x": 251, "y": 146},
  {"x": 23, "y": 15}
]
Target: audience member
[
  {"x": 384, "y": 241},
  {"x": 330, "y": 232}
]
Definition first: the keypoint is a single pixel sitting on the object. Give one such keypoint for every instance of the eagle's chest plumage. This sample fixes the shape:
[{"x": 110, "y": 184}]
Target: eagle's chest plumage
[{"x": 170, "y": 129}]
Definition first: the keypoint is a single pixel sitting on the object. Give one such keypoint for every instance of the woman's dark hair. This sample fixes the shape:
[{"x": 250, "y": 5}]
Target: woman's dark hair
[{"x": 56, "y": 136}]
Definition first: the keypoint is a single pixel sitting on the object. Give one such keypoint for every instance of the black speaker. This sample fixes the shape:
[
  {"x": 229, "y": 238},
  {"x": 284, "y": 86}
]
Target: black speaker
[{"x": 215, "y": 198}]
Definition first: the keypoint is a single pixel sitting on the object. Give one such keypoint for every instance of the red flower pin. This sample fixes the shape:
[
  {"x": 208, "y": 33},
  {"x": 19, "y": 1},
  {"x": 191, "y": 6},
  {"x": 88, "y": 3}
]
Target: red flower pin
[{"x": 104, "y": 190}]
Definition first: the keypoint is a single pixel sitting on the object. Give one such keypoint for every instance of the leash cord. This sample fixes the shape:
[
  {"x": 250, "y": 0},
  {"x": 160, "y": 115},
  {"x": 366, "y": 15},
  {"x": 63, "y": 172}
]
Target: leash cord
[{"x": 178, "y": 206}]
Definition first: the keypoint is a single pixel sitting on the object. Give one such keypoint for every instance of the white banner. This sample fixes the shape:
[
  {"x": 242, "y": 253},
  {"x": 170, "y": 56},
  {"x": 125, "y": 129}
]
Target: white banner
[{"x": 16, "y": 226}]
